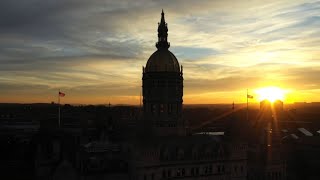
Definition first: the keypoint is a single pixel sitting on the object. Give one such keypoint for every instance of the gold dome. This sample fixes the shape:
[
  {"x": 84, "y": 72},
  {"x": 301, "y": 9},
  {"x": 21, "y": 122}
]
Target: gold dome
[{"x": 162, "y": 61}]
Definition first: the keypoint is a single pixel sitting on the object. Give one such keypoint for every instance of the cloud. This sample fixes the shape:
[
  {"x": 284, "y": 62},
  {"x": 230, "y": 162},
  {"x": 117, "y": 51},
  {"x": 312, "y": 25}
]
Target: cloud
[{"x": 100, "y": 46}]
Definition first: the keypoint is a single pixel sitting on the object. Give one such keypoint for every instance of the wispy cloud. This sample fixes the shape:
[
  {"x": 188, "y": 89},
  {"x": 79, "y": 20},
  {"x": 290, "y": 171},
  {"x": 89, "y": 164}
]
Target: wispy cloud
[{"x": 97, "y": 47}]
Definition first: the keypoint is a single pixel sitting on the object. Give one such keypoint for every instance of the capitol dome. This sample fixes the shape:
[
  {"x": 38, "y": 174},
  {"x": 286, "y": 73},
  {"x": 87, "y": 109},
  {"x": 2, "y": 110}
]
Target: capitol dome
[{"x": 162, "y": 61}]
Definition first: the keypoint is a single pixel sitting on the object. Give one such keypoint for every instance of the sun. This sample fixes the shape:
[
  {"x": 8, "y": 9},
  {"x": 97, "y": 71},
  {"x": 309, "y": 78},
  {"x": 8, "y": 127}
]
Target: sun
[{"x": 270, "y": 93}]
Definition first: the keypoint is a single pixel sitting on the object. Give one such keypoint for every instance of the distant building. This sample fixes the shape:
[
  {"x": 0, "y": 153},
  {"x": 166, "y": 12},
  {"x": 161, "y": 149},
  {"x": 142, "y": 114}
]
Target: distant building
[{"x": 267, "y": 105}]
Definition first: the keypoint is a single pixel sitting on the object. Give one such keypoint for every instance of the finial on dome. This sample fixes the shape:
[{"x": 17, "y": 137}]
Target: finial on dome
[
  {"x": 162, "y": 17},
  {"x": 162, "y": 33}
]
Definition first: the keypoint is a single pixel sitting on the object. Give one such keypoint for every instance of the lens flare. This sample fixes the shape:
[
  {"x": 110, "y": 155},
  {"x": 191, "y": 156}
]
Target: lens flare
[{"x": 270, "y": 93}]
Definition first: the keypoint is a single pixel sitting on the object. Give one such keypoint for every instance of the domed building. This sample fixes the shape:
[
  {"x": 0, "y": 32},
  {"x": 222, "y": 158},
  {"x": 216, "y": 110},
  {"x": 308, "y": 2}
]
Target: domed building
[
  {"x": 166, "y": 150},
  {"x": 163, "y": 88}
]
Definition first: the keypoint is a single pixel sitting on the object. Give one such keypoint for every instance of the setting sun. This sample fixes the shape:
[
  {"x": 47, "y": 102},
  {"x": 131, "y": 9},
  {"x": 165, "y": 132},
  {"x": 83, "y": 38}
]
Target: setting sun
[{"x": 270, "y": 93}]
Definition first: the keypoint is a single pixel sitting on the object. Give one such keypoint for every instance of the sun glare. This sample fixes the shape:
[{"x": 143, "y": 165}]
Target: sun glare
[{"x": 270, "y": 93}]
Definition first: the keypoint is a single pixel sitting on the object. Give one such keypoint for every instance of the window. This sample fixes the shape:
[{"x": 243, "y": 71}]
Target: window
[
  {"x": 194, "y": 153},
  {"x": 178, "y": 172},
  {"x": 197, "y": 171},
  {"x": 180, "y": 154},
  {"x": 169, "y": 173},
  {"x": 169, "y": 108},
  {"x": 164, "y": 175},
  {"x": 153, "y": 108},
  {"x": 192, "y": 171},
  {"x": 161, "y": 109},
  {"x": 183, "y": 172}
]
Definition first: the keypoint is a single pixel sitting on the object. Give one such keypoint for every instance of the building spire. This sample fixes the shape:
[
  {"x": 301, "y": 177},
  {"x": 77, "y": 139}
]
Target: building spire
[
  {"x": 162, "y": 18},
  {"x": 162, "y": 34}
]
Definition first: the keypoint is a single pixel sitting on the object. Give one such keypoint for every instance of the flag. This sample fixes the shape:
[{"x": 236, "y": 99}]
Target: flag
[
  {"x": 249, "y": 96},
  {"x": 61, "y": 94}
]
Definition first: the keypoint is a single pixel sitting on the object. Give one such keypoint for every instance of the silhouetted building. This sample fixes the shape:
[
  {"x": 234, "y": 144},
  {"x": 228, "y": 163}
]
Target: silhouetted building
[
  {"x": 278, "y": 105},
  {"x": 162, "y": 84},
  {"x": 266, "y": 159},
  {"x": 267, "y": 105},
  {"x": 164, "y": 149}
]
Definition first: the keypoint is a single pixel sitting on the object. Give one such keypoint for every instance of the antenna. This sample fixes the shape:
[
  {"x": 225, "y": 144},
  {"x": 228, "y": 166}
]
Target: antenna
[{"x": 140, "y": 99}]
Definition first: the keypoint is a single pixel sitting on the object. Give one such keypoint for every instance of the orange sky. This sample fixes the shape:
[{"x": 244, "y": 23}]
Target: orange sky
[{"x": 94, "y": 51}]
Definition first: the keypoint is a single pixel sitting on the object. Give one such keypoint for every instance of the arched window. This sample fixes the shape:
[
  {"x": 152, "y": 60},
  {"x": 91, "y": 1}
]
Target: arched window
[
  {"x": 153, "y": 108},
  {"x": 164, "y": 153},
  {"x": 183, "y": 172},
  {"x": 180, "y": 154},
  {"x": 178, "y": 172},
  {"x": 161, "y": 108}
]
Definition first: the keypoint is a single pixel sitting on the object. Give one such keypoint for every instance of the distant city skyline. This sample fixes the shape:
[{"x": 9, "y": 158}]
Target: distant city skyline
[{"x": 93, "y": 51}]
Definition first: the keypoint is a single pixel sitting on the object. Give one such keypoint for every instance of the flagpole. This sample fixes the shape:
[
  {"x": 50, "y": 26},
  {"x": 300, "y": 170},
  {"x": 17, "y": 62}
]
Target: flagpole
[
  {"x": 59, "y": 108},
  {"x": 233, "y": 106},
  {"x": 140, "y": 100},
  {"x": 247, "y": 105}
]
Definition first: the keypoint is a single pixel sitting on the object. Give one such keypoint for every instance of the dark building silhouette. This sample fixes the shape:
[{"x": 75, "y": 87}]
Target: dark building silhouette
[
  {"x": 162, "y": 84},
  {"x": 166, "y": 150}
]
